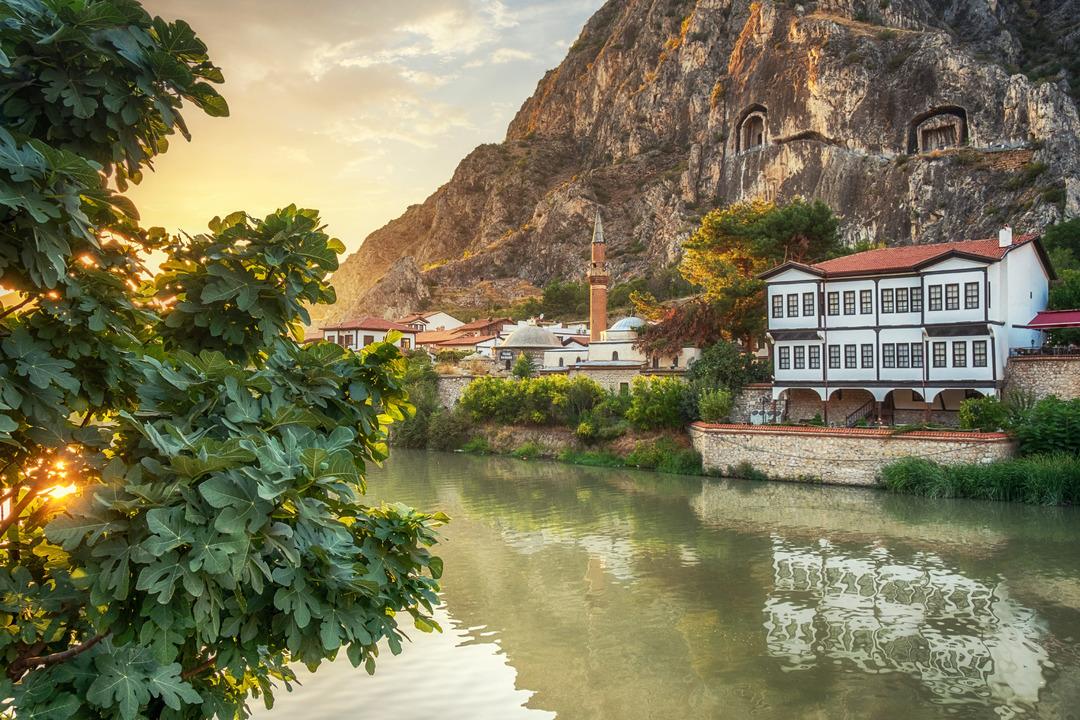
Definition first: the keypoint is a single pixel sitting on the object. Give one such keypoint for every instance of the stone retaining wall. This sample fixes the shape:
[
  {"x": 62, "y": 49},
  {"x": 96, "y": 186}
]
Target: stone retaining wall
[
  {"x": 751, "y": 398},
  {"x": 844, "y": 456},
  {"x": 608, "y": 378},
  {"x": 450, "y": 388},
  {"x": 1042, "y": 375}
]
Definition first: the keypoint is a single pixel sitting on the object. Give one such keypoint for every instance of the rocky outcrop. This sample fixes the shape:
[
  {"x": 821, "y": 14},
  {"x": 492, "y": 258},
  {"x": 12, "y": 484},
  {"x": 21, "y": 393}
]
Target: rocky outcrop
[{"x": 656, "y": 114}]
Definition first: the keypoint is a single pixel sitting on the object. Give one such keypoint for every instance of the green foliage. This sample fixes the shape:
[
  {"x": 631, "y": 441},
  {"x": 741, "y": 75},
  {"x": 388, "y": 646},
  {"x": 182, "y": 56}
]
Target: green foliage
[
  {"x": 478, "y": 446},
  {"x": 1039, "y": 479},
  {"x": 449, "y": 429},
  {"x": 988, "y": 414},
  {"x": 658, "y": 403},
  {"x": 524, "y": 367},
  {"x": 1062, "y": 243},
  {"x": 714, "y": 405},
  {"x": 725, "y": 365},
  {"x": 592, "y": 458},
  {"x": 1065, "y": 295},
  {"x": 420, "y": 384},
  {"x": 216, "y": 532},
  {"x": 1052, "y": 426},
  {"x": 666, "y": 456},
  {"x": 528, "y": 451},
  {"x": 547, "y": 400},
  {"x": 746, "y": 471}
]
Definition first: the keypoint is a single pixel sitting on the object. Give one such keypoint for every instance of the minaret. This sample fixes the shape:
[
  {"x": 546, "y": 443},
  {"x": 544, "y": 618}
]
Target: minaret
[{"x": 598, "y": 282}]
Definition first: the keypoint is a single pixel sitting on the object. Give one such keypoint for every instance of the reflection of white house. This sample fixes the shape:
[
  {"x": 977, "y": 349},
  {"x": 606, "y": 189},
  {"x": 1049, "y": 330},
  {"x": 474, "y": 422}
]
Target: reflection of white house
[
  {"x": 966, "y": 641},
  {"x": 355, "y": 334},
  {"x": 890, "y": 328}
]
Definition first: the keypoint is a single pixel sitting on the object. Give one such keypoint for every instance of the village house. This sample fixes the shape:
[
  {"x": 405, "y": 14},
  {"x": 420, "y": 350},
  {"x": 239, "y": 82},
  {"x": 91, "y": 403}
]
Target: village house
[
  {"x": 428, "y": 321},
  {"x": 355, "y": 334},
  {"x": 902, "y": 334}
]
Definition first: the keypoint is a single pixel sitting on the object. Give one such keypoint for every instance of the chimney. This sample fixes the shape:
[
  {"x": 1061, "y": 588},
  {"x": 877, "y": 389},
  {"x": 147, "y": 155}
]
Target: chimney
[{"x": 1005, "y": 238}]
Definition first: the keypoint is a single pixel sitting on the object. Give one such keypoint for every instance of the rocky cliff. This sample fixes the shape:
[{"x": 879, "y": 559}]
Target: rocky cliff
[{"x": 916, "y": 120}]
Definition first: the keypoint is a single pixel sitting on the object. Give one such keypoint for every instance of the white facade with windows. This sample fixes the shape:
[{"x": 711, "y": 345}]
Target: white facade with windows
[{"x": 936, "y": 320}]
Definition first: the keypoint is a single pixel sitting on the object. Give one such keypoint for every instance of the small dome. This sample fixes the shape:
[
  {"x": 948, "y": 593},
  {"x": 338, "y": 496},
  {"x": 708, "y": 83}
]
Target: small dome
[
  {"x": 531, "y": 336},
  {"x": 628, "y": 323}
]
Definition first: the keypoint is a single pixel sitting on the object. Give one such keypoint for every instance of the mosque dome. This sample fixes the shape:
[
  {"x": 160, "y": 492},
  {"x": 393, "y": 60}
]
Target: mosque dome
[
  {"x": 531, "y": 337},
  {"x": 628, "y": 324}
]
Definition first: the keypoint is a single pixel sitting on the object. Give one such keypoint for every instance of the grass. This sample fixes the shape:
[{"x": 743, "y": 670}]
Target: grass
[
  {"x": 1036, "y": 480},
  {"x": 592, "y": 458},
  {"x": 477, "y": 446},
  {"x": 528, "y": 451}
]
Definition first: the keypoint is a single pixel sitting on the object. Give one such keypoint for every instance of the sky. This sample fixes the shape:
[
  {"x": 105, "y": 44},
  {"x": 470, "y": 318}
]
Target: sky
[{"x": 359, "y": 108}]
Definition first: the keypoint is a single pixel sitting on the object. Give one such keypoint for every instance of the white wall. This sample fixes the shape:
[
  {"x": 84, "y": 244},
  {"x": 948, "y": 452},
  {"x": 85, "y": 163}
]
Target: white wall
[
  {"x": 360, "y": 338},
  {"x": 1028, "y": 288}
]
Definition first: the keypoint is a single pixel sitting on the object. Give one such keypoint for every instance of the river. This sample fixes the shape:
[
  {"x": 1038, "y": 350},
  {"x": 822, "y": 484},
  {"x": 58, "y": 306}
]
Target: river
[{"x": 578, "y": 593}]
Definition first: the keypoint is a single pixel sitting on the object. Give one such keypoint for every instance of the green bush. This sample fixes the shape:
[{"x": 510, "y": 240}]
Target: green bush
[
  {"x": 746, "y": 471},
  {"x": 1038, "y": 479},
  {"x": 715, "y": 405},
  {"x": 528, "y": 451},
  {"x": 420, "y": 383},
  {"x": 524, "y": 367},
  {"x": 1052, "y": 426},
  {"x": 548, "y": 400},
  {"x": 592, "y": 458},
  {"x": 657, "y": 403},
  {"x": 984, "y": 413},
  {"x": 665, "y": 455},
  {"x": 477, "y": 446},
  {"x": 449, "y": 429},
  {"x": 725, "y": 365}
]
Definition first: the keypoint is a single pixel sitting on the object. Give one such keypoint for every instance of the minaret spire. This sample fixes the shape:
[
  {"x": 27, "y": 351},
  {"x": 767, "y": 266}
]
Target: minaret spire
[{"x": 598, "y": 282}]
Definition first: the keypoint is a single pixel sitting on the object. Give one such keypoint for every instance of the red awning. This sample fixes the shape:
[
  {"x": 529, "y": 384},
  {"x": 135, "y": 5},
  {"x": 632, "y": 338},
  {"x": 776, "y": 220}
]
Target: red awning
[{"x": 1054, "y": 320}]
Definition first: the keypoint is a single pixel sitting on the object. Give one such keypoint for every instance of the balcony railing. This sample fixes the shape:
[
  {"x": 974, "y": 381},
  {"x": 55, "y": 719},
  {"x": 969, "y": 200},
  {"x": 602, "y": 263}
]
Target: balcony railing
[{"x": 1046, "y": 350}]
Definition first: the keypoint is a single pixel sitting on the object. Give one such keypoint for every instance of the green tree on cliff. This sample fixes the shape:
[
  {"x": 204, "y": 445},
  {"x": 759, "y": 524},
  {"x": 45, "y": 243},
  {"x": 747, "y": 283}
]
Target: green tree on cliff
[{"x": 181, "y": 479}]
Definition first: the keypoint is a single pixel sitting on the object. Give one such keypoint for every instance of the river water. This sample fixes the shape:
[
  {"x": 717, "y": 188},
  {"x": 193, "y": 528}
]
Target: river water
[{"x": 579, "y": 593}]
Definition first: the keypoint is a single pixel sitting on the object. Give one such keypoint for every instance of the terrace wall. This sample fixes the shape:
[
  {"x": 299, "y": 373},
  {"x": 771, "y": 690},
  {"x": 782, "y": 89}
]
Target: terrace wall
[
  {"x": 1042, "y": 375},
  {"x": 843, "y": 456}
]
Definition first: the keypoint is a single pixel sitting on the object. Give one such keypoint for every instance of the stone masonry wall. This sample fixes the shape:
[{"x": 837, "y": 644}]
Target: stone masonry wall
[
  {"x": 450, "y": 388},
  {"x": 749, "y": 399},
  {"x": 844, "y": 456},
  {"x": 1042, "y": 375},
  {"x": 608, "y": 378}
]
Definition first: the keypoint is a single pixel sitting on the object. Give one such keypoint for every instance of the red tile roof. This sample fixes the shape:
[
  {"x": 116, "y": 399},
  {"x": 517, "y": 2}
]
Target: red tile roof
[
  {"x": 435, "y": 337},
  {"x": 467, "y": 340},
  {"x": 483, "y": 323},
  {"x": 370, "y": 323},
  {"x": 910, "y": 257},
  {"x": 1055, "y": 320},
  {"x": 967, "y": 435}
]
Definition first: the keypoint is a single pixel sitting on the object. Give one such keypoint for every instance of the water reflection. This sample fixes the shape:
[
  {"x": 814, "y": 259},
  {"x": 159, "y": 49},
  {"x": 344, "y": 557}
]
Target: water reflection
[
  {"x": 595, "y": 594},
  {"x": 966, "y": 641}
]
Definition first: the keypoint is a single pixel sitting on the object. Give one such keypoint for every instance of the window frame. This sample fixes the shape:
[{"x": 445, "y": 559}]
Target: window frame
[
  {"x": 777, "y": 305},
  {"x": 971, "y": 299},
  {"x": 888, "y": 303},
  {"x": 939, "y": 354},
  {"x": 952, "y": 296},
  {"x": 915, "y": 298},
  {"x": 935, "y": 302},
  {"x": 783, "y": 358},
  {"x": 793, "y": 305},
  {"x": 888, "y": 355},
  {"x": 813, "y": 359},
  {"x": 980, "y": 350},
  {"x": 809, "y": 304},
  {"x": 903, "y": 356},
  {"x": 833, "y": 302},
  {"x": 866, "y": 302},
  {"x": 799, "y": 357},
  {"x": 959, "y": 354},
  {"x": 851, "y": 356},
  {"x": 866, "y": 359},
  {"x": 849, "y": 302},
  {"x": 902, "y": 306},
  {"x": 834, "y": 357},
  {"x": 917, "y": 355}
]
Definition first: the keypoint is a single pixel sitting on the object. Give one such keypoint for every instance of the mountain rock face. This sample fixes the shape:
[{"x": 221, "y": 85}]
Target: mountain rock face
[{"x": 915, "y": 120}]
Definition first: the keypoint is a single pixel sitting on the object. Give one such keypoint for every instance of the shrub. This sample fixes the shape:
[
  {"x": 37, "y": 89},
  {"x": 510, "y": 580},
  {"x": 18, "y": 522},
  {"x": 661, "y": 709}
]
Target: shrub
[
  {"x": 714, "y": 405},
  {"x": 524, "y": 367},
  {"x": 528, "y": 451},
  {"x": 665, "y": 455},
  {"x": 478, "y": 446},
  {"x": 746, "y": 471},
  {"x": 725, "y": 365},
  {"x": 984, "y": 413},
  {"x": 449, "y": 429},
  {"x": 549, "y": 400},
  {"x": 1038, "y": 479},
  {"x": 592, "y": 458},
  {"x": 657, "y": 403},
  {"x": 1052, "y": 426}
]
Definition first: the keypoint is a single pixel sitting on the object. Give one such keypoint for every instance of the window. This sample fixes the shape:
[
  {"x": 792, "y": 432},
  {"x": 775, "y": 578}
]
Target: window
[
  {"x": 815, "y": 357},
  {"x": 330, "y": 337},
  {"x": 978, "y": 353},
  {"x": 347, "y": 340},
  {"x": 935, "y": 298},
  {"x": 868, "y": 355},
  {"x": 939, "y": 355},
  {"x": 834, "y": 357},
  {"x": 777, "y": 306},
  {"x": 887, "y": 305},
  {"x": 785, "y": 358},
  {"x": 624, "y": 388},
  {"x": 850, "y": 357},
  {"x": 808, "y": 304},
  {"x": 903, "y": 355},
  {"x": 615, "y": 355},
  {"x": 793, "y": 305},
  {"x": 368, "y": 339},
  {"x": 916, "y": 354},
  {"x": 866, "y": 302},
  {"x": 916, "y": 299},
  {"x": 888, "y": 355},
  {"x": 952, "y": 296},
  {"x": 901, "y": 300},
  {"x": 849, "y": 302},
  {"x": 560, "y": 362},
  {"x": 834, "y": 303},
  {"x": 800, "y": 357},
  {"x": 959, "y": 353},
  {"x": 971, "y": 296},
  {"x": 405, "y": 342}
]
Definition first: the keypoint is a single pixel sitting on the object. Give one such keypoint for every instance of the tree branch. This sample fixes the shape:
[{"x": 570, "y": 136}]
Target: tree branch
[
  {"x": 7, "y": 522},
  {"x": 17, "y": 306},
  {"x": 198, "y": 669},
  {"x": 23, "y": 664}
]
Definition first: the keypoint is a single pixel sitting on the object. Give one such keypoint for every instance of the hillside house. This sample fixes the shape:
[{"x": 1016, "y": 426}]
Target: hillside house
[
  {"x": 433, "y": 320},
  {"x": 903, "y": 334},
  {"x": 355, "y": 334}
]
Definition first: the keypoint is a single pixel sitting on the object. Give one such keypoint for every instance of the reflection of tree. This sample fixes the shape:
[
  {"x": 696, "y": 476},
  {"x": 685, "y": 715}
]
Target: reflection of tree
[{"x": 964, "y": 640}]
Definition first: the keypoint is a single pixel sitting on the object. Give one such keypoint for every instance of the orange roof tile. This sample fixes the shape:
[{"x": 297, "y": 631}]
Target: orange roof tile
[
  {"x": 910, "y": 257},
  {"x": 370, "y": 323}
]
